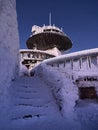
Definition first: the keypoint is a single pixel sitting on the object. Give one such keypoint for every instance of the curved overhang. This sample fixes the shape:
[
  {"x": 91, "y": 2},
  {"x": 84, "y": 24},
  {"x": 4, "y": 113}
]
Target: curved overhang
[{"x": 45, "y": 41}]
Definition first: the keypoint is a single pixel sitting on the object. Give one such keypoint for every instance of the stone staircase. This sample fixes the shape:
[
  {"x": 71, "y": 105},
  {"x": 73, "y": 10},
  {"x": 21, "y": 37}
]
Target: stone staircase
[{"x": 31, "y": 98}]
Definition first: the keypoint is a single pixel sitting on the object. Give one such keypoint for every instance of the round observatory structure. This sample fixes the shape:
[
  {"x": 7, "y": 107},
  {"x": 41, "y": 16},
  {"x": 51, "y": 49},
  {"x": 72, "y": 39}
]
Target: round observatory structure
[
  {"x": 48, "y": 37},
  {"x": 44, "y": 43}
]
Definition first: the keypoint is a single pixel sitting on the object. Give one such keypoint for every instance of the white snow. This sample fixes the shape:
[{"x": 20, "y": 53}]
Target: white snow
[
  {"x": 37, "y": 29},
  {"x": 23, "y": 71},
  {"x": 9, "y": 43},
  {"x": 54, "y": 51},
  {"x": 49, "y": 100},
  {"x": 73, "y": 55},
  {"x": 9, "y": 51},
  {"x": 31, "y": 105},
  {"x": 81, "y": 114},
  {"x": 65, "y": 92}
]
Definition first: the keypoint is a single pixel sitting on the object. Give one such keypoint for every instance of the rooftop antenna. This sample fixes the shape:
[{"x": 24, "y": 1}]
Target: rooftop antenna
[{"x": 50, "y": 18}]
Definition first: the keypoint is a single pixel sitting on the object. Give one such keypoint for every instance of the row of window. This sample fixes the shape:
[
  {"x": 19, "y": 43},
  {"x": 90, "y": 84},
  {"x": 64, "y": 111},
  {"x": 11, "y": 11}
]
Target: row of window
[
  {"x": 36, "y": 55},
  {"x": 87, "y": 79},
  {"x": 52, "y": 30},
  {"x": 78, "y": 63}
]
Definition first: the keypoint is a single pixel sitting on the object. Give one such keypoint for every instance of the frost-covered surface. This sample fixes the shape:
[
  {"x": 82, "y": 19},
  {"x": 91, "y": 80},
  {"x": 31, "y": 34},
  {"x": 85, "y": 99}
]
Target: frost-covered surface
[
  {"x": 78, "y": 64},
  {"x": 23, "y": 71},
  {"x": 64, "y": 91},
  {"x": 37, "y": 29},
  {"x": 9, "y": 43},
  {"x": 9, "y": 51},
  {"x": 73, "y": 55},
  {"x": 31, "y": 106},
  {"x": 81, "y": 114},
  {"x": 62, "y": 88},
  {"x": 54, "y": 51},
  {"x": 48, "y": 100}
]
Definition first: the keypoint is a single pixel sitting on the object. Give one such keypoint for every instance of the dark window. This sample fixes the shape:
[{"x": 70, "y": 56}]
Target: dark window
[
  {"x": 94, "y": 60},
  {"x": 47, "y": 30},
  {"x": 87, "y": 93}
]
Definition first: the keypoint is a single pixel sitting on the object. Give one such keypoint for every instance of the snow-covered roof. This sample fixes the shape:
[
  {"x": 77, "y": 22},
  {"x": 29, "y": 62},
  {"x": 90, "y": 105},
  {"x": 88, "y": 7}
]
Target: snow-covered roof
[
  {"x": 37, "y": 29},
  {"x": 46, "y": 37},
  {"x": 73, "y": 55},
  {"x": 38, "y": 51}
]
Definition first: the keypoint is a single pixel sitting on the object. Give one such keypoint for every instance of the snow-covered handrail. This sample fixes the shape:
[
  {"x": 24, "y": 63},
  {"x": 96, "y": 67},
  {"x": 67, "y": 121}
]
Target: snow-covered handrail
[
  {"x": 37, "y": 29},
  {"x": 73, "y": 55},
  {"x": 82, "y": 60}
]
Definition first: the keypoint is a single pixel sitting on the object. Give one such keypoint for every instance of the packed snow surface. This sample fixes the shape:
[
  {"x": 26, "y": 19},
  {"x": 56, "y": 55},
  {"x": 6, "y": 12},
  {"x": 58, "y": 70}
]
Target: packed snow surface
[
  {"x": 31, "y": 106},
  {"x": 47, "y": 100}
]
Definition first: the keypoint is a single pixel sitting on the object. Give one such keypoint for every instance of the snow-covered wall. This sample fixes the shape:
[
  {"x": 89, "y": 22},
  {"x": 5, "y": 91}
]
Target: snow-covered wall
[
  {"x": 9, "y": 44},
  {"x": 77, "y": 63},
  {"x": 61, "y": 73},
  {"x": 62, "y": 87}
]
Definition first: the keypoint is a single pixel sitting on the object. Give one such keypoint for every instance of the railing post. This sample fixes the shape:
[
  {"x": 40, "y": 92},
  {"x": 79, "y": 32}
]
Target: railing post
[
  {"x": 71, "y": 61},
  {"x": 89, "y": 61},
  {"x": 64, "y": 63},
  {"x": 97, "y": 60},
  {"x": 80, "y": 60}
]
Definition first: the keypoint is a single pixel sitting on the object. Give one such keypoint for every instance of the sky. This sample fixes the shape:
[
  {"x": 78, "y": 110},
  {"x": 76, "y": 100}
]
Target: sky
[{"x": 78, "y": 18}]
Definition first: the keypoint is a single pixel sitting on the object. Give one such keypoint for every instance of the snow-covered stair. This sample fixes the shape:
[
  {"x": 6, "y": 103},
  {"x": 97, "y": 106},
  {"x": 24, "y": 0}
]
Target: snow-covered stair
[{"x": 30, "y": 98}]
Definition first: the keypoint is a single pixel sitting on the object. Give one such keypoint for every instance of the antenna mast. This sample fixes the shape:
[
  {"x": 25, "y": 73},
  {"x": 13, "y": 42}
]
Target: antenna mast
[{"x": 50, "y": 18}]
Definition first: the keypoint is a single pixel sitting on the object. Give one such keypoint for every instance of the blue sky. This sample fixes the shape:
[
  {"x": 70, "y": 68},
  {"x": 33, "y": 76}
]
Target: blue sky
[{"x": 78, "y": 18}]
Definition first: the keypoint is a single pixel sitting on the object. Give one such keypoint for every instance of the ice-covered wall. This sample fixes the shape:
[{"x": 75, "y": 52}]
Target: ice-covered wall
[
  {"x": 62, "y": 72},
  {"x": 78, "y": 63},
  {"x": 9, "y": 44},
  {"x": 63, "y": 89}
]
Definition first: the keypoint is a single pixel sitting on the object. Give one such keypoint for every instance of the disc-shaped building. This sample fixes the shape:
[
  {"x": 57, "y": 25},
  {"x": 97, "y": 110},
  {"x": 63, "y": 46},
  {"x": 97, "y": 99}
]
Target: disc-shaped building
[
  {"x": 45, "y": 42},
  {"x": 48, "y": 37}
]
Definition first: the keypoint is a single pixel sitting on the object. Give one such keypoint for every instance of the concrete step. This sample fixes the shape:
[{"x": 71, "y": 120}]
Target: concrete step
[{"x": 31, "y": 98}]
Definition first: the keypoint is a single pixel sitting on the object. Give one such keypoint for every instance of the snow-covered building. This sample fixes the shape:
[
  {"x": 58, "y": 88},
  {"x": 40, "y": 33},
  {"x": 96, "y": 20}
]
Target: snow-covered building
[
  {"x": 82, "y": 68},
  {"x": 52, "y": 97},
  {"x": 45, "y": 42},
  {"x": 31, "y": 58}
]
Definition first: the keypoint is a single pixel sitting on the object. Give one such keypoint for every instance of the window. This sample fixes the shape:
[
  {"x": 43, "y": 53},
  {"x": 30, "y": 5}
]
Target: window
[
  {"x": 87, "y": 93},
  {"x": 94, "y": 60}
]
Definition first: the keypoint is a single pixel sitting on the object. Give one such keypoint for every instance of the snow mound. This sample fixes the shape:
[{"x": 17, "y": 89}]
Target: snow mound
[{"x": 23, "y": 70}]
